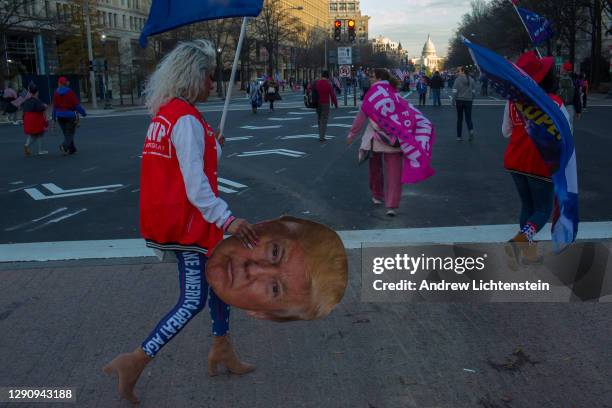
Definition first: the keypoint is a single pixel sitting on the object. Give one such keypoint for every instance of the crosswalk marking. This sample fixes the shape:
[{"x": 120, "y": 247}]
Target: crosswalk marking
[
  {"x": 225, "y": 182},
  {"x": 235, "y": 139},
  {"x": 282, "y": 152},
  {"x": 342, "y": 125},
  {"x": 261, "y": 127},
  {"x": 283, "y": 119},
  {"x": 310, "y": 136}
]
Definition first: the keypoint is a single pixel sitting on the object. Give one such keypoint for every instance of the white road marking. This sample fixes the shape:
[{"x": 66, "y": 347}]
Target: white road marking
[
  {"x": 343, "y": 117},
  {"x": 342, "y": 125},
  {"x": 135, "y": 248},
  {"x": 14, "y": 183},
  {"x": 56, "y": 220},
  {"x": 235, "y": 139},
  {"x": 310, "y": 136},
  {"x": 222, "y": 182},
  {"x": 279, "y": 171},
  {"x": 282, "y": 152},
  {"x": 22, "y": 188},
  {"x": 303, "y": 113},
  {"x": 58, "y": 190},
  {"x": 231, "y": 183},
  {"x": 261, "y": 127},
  {"x": 283, "y": 119},
  {"x": 135, "y": 190},
  {"x": 354, "y": 111},
  {"x": 52, "y": 213},
  {"x": 89, "y": 169}
]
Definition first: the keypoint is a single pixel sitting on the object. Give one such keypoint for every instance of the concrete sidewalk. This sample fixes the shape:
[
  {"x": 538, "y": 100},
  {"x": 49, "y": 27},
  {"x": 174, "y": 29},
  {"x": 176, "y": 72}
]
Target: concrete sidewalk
[{"x": 61, "y": 321}]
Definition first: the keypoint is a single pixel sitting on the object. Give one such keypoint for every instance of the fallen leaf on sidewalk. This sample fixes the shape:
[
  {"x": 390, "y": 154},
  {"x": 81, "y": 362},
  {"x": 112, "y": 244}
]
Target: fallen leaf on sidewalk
[{"x": 515, "y": 362}]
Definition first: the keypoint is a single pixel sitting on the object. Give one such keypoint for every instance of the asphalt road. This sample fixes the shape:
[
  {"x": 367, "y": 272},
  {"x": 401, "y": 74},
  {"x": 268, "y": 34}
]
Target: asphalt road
[{"x": 43, "y": 198}]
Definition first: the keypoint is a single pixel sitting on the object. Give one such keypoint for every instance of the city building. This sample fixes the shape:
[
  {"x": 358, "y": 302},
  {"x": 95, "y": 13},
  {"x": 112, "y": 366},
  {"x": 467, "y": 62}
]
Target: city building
[
  {"x": 385, "y": 45},
  {"x": 429, "y": 60},
  {"x": 51, "y": 40},
  {"x": 345, "y": 10},
  {"x": 312, "y": 13}
]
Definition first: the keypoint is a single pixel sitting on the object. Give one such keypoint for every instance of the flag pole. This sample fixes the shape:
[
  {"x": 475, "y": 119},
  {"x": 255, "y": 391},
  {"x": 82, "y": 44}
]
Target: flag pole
[
  {"x": 525, "y": 25},
  {"x": 233, "y": 75}
]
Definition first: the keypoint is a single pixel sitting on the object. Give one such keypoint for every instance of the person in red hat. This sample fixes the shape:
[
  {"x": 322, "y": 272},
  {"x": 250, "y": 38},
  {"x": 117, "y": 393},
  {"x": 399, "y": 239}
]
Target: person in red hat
[
  {"x": 66, "y": 108},
  {"x": 569, "y": 92},
  {"x": 531, "y": 175}
]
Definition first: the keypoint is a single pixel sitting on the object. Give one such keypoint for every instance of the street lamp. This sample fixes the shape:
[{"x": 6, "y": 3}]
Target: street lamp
[
  {"x": 107, "y": 102},
  {"x": 219, "y": 73},
  {"x": 299, "y": 8}
]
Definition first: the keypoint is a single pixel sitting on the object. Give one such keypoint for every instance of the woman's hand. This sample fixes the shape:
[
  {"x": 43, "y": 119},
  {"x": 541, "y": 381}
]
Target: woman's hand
[{"x": 241, "y": 229}]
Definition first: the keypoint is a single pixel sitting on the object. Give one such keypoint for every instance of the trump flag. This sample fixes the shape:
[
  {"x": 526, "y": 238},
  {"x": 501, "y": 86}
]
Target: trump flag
[
  {"x": 166, "y": 15},
  {"x": 539, "y": 28},
  {"x": 548, "y": 128}
]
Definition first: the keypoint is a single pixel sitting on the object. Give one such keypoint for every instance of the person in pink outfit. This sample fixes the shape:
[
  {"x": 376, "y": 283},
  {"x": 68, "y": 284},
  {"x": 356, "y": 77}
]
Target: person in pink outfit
[{"x": 385, "y": 161}]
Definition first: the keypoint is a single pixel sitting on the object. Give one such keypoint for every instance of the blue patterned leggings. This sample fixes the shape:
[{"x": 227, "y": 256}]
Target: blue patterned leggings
[{"x": 194, "y": 290}]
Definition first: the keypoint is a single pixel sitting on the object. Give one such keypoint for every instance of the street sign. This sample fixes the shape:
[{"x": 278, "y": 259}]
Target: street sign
[
  {"x": 345, "y": 56},
  {"x": 345, "y": 71}
]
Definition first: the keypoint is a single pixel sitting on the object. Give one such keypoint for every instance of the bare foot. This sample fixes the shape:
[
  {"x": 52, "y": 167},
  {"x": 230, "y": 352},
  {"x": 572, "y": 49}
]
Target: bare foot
[
  {"x": 128, "y": 367},
  {"x": 222, "y": 353}
]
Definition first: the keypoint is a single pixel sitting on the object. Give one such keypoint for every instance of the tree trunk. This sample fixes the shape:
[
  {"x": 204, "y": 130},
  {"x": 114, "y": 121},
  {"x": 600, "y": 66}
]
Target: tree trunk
[{"x": 596, "y": 43}]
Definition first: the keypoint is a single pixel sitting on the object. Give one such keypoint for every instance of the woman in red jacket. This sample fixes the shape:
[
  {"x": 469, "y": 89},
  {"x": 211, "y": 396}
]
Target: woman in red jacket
[
  {"x": 531, "y": 175},
  {"x": 34, "y": 121},
  {"x": 181, "y": 213}
]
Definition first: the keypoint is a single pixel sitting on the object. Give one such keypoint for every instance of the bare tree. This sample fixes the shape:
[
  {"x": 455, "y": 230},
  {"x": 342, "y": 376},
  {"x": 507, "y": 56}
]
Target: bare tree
[{"x": 276, "y": 27}]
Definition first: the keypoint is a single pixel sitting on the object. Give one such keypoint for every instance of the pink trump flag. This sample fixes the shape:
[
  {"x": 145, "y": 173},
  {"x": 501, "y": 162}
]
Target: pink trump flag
[{"x": 404, "y": 126}]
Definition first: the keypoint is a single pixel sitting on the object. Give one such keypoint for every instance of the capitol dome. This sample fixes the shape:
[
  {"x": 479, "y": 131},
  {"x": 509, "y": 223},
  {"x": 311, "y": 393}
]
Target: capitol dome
[{"x": 429, "y": 48}]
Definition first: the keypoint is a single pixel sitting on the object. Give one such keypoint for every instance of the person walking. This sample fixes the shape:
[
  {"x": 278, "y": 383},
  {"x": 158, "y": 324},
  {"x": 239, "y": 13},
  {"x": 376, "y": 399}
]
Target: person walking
[
  {"x": 436, "y": 85},
  {"x": 180, "y": 208},
  {"x": 385, "y": 161},
  {"x": 66, "y": 111},
  {"x": 271, "y": 91},
  {"x": 464, "y": 89},
  {"x": 255, "y": 94},
  {"x": 34, "y": 121},
  {"x": 530, "y": 173},
  {"x": 421, "y": 88},
  {"x": 484, "y": 88},
  {"x": 584, "y": 86},
  {"x": 326, "y": 96},
  {"x": 8, "y": 97},
  {"x": 569, "y": 91}
]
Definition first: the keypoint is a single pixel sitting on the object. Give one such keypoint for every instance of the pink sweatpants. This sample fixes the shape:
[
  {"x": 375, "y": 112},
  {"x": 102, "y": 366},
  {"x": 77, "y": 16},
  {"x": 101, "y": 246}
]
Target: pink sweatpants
[{"x": 386, "y": 185}]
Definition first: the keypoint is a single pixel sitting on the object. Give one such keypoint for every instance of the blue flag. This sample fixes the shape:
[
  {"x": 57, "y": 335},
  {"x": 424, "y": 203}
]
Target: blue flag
[
  {"x": 540, "y": 29},
  {"x": 548, "y": 128},
  {"x": 169, "y": 14}
]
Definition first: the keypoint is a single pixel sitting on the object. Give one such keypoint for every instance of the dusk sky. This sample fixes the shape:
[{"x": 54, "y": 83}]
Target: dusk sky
[{"x": 409, "y": 21}]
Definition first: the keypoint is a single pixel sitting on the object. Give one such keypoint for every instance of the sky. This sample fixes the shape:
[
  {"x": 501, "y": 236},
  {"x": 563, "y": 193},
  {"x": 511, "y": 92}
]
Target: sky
[{"x": 409, "y": 21}]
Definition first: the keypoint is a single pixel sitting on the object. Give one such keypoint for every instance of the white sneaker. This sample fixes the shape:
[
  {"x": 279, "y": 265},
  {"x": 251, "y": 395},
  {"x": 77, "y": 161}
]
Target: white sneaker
[
  {"x": 376, "y": 201},
  {"x": 391, "y": 212}
]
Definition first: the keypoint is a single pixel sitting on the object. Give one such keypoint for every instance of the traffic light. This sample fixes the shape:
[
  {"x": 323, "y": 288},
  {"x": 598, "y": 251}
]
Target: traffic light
[
  {"x": 351, "y": 30},
  {"x": 338, "y": 30}
]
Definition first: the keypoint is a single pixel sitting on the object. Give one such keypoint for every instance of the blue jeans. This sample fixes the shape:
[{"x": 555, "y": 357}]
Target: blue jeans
[
  {"x": 193, "y": 292},
  {"x": 436, "y": 96},
  {"x": 537, "y": 197}
]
